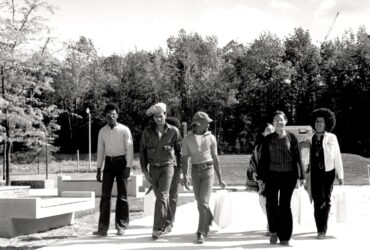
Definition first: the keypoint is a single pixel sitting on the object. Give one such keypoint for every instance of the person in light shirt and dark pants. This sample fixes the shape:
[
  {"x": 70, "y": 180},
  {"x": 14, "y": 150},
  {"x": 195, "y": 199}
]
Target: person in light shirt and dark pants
[{"x": 115, "y": 152}]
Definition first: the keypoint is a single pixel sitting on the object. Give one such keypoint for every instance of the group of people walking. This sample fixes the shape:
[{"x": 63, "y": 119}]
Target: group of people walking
[
  {"x": 274, "y": 171},
  {"x": 164, "y": 154}
]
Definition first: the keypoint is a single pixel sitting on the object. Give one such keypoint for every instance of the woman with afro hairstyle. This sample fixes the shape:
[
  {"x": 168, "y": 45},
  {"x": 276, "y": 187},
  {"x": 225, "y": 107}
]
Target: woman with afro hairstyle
[{"x": 325, "y": 164}]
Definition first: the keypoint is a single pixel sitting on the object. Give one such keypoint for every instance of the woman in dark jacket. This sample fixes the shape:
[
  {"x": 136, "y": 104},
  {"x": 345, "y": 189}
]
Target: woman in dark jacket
[
  {"x": 252, "y": 176},
  {"x": 279, "y": 169}
]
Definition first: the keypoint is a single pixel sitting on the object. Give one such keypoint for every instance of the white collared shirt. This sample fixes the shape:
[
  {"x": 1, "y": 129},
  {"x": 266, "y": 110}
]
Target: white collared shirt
[{"x": 115, "y": 142}]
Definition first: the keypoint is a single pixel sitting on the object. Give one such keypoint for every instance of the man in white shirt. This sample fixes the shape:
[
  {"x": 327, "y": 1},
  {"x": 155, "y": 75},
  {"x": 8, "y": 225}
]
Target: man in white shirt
[{"x": 115, "y": 151}]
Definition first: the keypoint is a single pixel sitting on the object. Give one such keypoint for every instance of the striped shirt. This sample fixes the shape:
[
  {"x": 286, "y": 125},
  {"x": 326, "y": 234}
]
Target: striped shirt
[
  {"x": 115, "y": 142},
  {"x": 280, "y": 154}
]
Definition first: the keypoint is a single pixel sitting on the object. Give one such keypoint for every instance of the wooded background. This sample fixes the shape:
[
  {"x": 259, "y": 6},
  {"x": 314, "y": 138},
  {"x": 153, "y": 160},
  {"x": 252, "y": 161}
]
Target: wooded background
[{"x": 44, "y": 99}]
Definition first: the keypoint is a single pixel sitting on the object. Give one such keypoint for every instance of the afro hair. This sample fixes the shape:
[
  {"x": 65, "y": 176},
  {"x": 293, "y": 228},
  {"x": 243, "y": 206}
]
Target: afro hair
[{"x": 327, "y": 114}]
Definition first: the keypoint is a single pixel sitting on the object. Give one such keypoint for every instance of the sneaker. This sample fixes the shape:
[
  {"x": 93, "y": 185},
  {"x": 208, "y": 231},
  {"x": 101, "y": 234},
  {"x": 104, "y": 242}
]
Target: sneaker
[
  {"x": 120, "y": 232},
  {"x": 284, "y": 242},
  {"x": 100, "y": 233},
  {"x": 167, "y": 229},
  {"x": 156, "y": 234},
  {"x": 273, "y": 238},
  {"x": 320, "y": 236},
  {"x": 200, "y": 238}
]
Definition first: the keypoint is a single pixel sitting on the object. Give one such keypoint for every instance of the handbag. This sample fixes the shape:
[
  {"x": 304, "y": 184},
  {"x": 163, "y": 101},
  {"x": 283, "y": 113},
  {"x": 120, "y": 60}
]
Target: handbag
[
  {"x": 149, "y": 203},
  {"x": 223, "y": 209},
  {"x": 340, "y": 204}
]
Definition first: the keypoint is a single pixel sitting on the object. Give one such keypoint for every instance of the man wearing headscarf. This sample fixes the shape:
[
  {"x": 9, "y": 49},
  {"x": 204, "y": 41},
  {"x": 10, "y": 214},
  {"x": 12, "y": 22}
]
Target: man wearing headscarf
[{"x": 160, "y": 149}]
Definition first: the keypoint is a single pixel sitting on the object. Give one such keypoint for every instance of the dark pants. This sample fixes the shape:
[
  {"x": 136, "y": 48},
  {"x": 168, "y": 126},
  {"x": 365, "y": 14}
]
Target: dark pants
[
  {"x": 174, "y": 194},
  {"x": 161, "y": 183},
  {"x": 279, "y": 190},
  {"x": 114, "y": 170},
  {"x": 321, "y": 188}
]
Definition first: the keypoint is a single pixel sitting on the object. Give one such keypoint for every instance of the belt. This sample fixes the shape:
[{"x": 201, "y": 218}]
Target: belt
[
  {"x": 160, "y": 164},
  {"x": 204, "y": 164},
  {"x": 114, "y": 158}
]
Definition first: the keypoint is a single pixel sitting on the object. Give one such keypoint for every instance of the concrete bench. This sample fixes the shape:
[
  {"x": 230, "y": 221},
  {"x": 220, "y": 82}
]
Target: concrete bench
[
  {"x": 27, "y": 215},
  {"x": 34, "y": 183},
  {"x": 66, "y": 183}
]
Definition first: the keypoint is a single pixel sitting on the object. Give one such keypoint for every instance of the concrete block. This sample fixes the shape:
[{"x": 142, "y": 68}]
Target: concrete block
[
  {"x": 34, "y": 183},
  {"x": 14, "y": 191},
  {"x": 35, "y": 214},
  {"x": 68, "y": 184}
]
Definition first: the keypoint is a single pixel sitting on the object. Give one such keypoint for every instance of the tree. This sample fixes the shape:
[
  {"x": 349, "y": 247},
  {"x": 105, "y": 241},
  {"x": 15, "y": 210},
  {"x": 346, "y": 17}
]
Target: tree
[
  {"x": 25, "y": 71},
  {"x": 305, "y": 58},
  {"x": 75, "y": 79}
]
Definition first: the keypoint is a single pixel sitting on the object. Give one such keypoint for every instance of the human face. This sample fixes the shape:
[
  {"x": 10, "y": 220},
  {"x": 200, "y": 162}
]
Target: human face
[
  {"x": 201, "y": 128},
  {"x": 279, "y": 122},
  {"x": 159, "y": 118},
  {"x": 268, "y": 130},
  {"x": 111, "y": 117},
  {"x": 320, "y": 124}
]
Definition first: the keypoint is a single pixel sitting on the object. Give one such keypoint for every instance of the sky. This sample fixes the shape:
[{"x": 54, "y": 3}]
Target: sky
[{"x": 121, "y": 26}]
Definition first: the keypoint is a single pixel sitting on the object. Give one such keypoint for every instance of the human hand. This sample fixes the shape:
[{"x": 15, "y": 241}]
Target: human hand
[
  {"x": 186, "y": 183},
  {"x": 147, "y": 177},
  {"x": 340, "y": 181},
  {"x": 261, "y": 186},
  {"x": 98, "y": 175},
  {"x": 222, "y": 184}
]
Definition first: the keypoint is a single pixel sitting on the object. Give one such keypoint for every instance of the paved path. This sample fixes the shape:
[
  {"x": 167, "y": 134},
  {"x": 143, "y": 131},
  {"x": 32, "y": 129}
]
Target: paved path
[{"x": 247, "y": 230}]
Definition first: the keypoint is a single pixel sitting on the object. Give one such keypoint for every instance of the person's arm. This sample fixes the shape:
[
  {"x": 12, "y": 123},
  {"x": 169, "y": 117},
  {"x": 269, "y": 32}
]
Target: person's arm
[
  {"x": 185, "y": 166},
  {"x": 216, "y": 163},
  {"x": 100, "y": 156},
  {"x": 338, "y": 164},
  {"x": 129, "y": 146},
  {"x": 177, "y": 148},
  {"x": 264, "y": 159},
  {"x": 143, "y": 157}
]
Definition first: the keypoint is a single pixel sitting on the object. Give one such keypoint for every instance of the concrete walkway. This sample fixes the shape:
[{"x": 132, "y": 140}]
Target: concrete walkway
[{"x": 247, "y": 230}]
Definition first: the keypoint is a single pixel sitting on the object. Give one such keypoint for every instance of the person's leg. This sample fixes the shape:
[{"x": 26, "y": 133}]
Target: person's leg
[
  {"x": 105, "y": 200},
  {"x": 163, "y": 184},
  {"x": 174, "y": 193},
  {"x": 122, "y": 206},
  {"x": 205, "y": 191},
  {"x": 329, "y": 178},
  {"x": 288, "y": 182},
  {"x": 272, "y": 192},
  {"x": 318, "y": 200}
]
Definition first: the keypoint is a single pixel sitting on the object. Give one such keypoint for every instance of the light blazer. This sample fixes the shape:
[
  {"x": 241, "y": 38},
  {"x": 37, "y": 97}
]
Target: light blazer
[{"x": 332, "y": 154}]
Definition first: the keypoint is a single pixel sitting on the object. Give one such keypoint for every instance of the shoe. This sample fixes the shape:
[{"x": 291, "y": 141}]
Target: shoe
[
  {"x": 200, "y": 238},
  {"x": 284, "y": 242},
  {"x": 100, "y": 233},
  {"x": 120, "y": 232},
  {"x": 156, "y": 234},
  {"x": 167, "y": 229},
  {"x": 320, "y": 236},
  {"x": 273, "y": 238}
]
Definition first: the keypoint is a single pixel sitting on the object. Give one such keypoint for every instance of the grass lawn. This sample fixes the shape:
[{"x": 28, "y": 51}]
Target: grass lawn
[{"x": 233, "y": 171}]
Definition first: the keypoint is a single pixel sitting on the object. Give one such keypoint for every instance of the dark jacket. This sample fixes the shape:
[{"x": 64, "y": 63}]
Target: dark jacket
[{"x": 263, "y": 165}]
